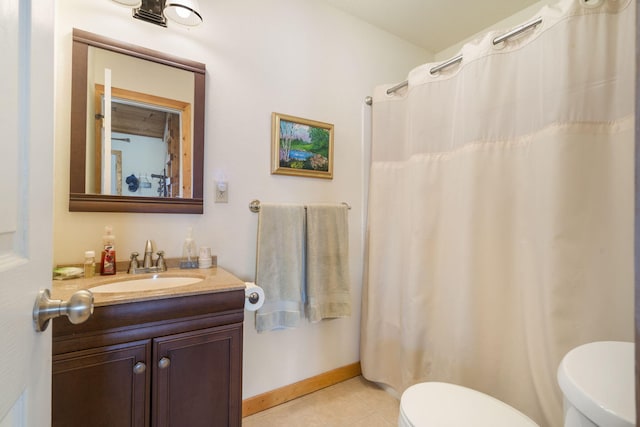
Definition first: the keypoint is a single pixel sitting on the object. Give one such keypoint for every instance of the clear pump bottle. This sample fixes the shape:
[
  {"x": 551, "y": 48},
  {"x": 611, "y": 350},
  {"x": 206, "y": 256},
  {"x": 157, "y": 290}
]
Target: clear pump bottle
[{"x": 189, "y": 252}]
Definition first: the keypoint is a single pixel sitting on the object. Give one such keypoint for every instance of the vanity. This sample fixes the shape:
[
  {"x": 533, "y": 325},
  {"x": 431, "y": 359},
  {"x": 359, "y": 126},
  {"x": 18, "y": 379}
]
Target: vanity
[
  {"x": 163, "y": 357},
  {"x": 154, "y": 352}
]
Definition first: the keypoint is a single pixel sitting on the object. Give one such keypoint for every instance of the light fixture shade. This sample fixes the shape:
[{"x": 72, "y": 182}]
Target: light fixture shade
[
  {"x": 129, "y": 3},
  {"x": 185, "y": 12}
]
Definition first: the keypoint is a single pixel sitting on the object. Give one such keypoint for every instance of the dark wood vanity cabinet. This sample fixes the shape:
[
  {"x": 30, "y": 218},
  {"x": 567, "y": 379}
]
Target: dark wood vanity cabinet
[
  {"x": 196, "y": 387},
  {"x": 98, "y": 387},
  {"x": 164, "y": 363}
]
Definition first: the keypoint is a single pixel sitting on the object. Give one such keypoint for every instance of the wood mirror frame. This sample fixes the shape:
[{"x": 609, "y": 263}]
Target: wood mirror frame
[{"x": 79, "y": 199}]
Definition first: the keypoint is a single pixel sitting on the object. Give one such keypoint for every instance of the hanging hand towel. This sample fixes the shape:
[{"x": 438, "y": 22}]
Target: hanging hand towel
[
  {"x": 279, "y": 265},
  {"x": 327, "y": 262}
]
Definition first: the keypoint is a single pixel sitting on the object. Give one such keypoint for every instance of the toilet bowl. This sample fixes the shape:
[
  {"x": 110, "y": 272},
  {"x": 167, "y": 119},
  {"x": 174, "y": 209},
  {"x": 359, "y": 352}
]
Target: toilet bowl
[
  {"x": 597, "y": 380},
  {"x": 441, "y": 404}
]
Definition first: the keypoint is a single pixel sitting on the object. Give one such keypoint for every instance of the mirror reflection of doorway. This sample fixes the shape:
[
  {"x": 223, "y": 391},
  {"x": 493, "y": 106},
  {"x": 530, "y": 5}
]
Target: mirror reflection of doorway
[
  {"x": 116, "y": 172},
  {"x": 153, "y": 135}
]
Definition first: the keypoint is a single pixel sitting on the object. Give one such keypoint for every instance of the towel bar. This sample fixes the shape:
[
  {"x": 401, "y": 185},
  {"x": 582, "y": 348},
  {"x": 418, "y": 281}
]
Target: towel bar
[{"x": 254, "y": 206}]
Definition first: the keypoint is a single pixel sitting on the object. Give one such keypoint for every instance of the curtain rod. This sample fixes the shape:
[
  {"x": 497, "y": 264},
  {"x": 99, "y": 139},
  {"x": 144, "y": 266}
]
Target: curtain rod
[
  {"x": 254, "y": 206},
  {"x": 456, "y": 59}
]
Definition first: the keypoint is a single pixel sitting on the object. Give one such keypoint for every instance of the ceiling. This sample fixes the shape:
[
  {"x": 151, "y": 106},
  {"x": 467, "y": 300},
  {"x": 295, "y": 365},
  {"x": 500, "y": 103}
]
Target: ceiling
[
  {"x": 432, "y": 24},
  {"x": 137, "y": 120}
]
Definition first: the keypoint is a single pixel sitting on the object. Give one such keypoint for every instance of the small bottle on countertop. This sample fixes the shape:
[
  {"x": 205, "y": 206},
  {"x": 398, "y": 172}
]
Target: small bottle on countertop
[
  {"x": 89, "y": 264},
  {"x": 189, "y": 256},
  {"x": 108, "y": 260}
]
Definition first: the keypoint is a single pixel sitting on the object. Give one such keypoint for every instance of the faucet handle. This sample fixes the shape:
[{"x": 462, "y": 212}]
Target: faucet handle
[
  {"x": 133, "y": 262},
  {"x": 160, "y": 264}
]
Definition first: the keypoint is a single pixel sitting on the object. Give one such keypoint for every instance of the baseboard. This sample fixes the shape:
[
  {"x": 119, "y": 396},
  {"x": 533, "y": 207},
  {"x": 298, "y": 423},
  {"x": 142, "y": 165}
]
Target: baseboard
[{"x": 289, "y": 392}]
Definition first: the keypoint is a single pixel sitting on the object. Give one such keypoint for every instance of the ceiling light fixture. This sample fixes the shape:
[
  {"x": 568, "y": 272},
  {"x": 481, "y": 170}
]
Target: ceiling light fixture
[
  {"x": 129, "y": 3},
  {"x": 151, "y": 11},
  {"x": 185, "y": 12}
]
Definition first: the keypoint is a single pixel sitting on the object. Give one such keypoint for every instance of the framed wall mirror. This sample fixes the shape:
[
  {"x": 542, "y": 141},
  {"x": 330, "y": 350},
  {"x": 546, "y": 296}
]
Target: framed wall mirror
[{"x": 137, "y": 129}]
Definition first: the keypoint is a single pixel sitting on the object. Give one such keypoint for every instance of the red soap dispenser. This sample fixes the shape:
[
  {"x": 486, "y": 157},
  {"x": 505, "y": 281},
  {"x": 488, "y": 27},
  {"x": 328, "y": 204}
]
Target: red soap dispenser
[{"x": 108, "y": 260}]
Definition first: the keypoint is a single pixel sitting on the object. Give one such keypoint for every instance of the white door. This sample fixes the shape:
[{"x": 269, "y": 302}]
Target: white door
[{"x": 26, "y": 198}]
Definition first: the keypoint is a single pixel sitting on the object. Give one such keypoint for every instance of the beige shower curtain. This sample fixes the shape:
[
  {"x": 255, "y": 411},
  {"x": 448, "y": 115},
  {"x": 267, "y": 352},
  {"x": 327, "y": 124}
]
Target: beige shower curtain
[{"x": 500, "y": 220}]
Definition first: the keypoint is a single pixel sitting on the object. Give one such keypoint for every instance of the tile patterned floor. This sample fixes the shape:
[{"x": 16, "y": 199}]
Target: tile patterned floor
[{"x": 352, "y": 403}]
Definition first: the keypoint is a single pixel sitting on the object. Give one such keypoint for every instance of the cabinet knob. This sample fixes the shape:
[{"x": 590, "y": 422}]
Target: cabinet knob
[
  {"x": 164, "y": 363},
  {"x": 139, "y": 368}
]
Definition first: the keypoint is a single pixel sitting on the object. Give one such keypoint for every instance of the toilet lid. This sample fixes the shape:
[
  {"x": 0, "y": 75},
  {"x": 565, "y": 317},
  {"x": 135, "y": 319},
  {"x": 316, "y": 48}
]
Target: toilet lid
[
  {"x": 449, "y": 405},
  {"x": 598, "y": 379}
]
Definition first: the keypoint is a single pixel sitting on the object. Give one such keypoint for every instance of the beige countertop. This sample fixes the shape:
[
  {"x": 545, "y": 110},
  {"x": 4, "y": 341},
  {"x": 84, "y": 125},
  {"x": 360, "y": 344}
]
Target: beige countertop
[{"x": 213, "y": 280}]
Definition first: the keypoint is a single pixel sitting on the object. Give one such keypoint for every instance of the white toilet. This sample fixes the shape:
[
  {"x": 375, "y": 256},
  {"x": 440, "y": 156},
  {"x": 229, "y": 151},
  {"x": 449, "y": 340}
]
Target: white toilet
[
  {"x": 597, "y": 380},
  {"x": 448, "y": 405}
]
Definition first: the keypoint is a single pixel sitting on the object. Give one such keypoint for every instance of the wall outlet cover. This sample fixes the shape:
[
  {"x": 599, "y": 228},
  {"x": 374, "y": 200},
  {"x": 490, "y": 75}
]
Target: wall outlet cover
[{"x": 221, "y": 190}]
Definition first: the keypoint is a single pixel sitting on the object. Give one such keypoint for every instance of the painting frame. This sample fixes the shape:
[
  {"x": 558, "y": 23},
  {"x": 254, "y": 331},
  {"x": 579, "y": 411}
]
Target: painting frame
[{"x": 298, "y": 154}]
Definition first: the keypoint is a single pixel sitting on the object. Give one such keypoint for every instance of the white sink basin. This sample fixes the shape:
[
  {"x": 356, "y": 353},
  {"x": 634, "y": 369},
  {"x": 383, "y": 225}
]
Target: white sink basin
[{"x": 147, "y": 284}]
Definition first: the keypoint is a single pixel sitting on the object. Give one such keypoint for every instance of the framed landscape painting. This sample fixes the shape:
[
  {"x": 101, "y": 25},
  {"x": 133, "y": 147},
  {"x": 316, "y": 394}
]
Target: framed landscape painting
[{"x": 301, "y": 147}]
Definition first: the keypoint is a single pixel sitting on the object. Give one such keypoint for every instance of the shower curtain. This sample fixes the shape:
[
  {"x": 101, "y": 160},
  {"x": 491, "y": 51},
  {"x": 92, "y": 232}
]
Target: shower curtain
[{"x": 500, "y": 217}]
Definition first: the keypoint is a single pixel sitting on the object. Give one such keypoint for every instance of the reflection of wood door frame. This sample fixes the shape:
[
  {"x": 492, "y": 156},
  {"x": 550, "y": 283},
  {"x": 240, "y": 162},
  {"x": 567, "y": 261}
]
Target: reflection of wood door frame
[
  {"x": 185, "y": 155},
  {"x": 118, "y": 163}
]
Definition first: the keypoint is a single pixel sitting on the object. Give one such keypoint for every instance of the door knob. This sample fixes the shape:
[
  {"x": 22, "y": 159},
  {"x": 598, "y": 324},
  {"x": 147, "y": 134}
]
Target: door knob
[{"x": 77, "y": 309}]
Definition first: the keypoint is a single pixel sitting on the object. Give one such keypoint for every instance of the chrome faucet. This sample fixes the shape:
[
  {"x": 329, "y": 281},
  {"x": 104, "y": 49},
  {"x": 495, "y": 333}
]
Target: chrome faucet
[
  {"x": 160, "y": 264},
  {"x": 133, "y": 263},
  {"x": 148, "y": 264}
]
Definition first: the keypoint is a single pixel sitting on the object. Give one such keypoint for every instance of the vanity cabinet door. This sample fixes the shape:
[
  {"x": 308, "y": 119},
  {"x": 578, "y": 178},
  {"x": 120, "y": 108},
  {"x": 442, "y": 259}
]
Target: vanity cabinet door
[
  {"x": 105, "y": 386},
  {"x": 197, "y": 378}
]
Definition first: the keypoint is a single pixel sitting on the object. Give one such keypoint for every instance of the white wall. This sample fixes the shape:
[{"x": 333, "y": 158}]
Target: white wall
[{"x": 298, "y": 57}]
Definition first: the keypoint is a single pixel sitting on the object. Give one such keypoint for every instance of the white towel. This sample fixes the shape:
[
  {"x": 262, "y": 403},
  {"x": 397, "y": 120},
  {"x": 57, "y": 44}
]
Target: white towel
[
  {"x": 279, "y": 265},
  {"x": 327, "y": 262}
]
